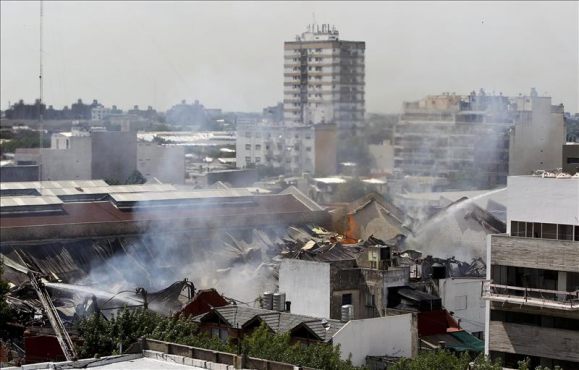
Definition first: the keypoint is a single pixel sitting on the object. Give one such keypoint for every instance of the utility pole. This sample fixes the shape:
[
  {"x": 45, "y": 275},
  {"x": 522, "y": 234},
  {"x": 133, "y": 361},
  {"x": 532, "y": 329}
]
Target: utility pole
[{"x": 41, "y": 87}]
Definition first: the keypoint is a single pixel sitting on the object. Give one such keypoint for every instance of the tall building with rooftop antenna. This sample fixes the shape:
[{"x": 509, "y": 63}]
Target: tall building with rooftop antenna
[{"x": 324, "y": 79}]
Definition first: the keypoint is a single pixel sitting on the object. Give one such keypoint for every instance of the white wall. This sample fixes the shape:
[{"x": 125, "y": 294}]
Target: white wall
[
  {"x": 166, "y": 163},
  {"x": 536, "y": 143},
  {"x": 68, "y": 164},
  {"x": 463, "y": 297},
  {"x": 545, "y": 200},
  {"x": 389, "y": 336},
  {"x": 307, "y": 286}
]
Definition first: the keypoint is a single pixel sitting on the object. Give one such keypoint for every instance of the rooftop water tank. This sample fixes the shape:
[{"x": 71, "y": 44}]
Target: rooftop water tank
[
  {"x": 267, "y": 302},
  {"x": 347, "y": 313},
  {"x": 278, "y": 301}
]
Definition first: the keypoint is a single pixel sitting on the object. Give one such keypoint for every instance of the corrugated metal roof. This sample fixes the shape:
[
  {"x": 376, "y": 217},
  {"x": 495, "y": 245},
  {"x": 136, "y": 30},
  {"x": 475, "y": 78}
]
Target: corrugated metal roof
[
  {"x": 22, "y": 205},
  {"x": 176, "y": 195},
  {"x": 51, "y": 184},
  {"x": 145, "y": 188},
  {"x": 29, "y": 201}
]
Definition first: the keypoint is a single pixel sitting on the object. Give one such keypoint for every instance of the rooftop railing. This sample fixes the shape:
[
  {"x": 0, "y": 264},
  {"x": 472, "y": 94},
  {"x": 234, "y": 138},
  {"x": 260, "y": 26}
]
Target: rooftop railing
[{"x": 556, "y": 299}]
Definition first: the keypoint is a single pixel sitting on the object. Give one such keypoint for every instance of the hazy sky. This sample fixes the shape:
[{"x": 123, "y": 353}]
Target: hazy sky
[{"x": 230, "y": 54}]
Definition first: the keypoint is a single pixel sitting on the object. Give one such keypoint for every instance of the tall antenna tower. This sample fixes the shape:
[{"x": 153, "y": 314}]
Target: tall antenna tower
[{"x": 41, "y": 87}]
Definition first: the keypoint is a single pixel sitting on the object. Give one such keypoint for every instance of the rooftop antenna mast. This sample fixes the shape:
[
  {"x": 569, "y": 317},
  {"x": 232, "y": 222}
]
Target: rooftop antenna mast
[
  {"x": 40, "y": 113},
  {"x": 314, "y": 22}
]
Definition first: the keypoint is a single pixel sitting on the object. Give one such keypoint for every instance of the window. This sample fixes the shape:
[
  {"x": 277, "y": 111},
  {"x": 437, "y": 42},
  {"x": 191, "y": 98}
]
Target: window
[
  {"x": 549, "y": 231},
  {"x": 247, "y": 159},
  {"x": 220, "y": 333},
  {"x": 346, "y": 299},
  {"x": 308, "y": 149},
  {"x": 577, "y": 233},
  {"x": 529, "y": 233},
  {"x": 257, "y": 159},
  {"x": 537, "y": 230},
  {"x": 258, "y": 147},
  {"x": 565, "y": 232},
  {"x": 247, "y": 134},
  {"x": 517, "y": 228},
  {"x": 247, "y": 146},
  {"x": 370, "y": 300}
]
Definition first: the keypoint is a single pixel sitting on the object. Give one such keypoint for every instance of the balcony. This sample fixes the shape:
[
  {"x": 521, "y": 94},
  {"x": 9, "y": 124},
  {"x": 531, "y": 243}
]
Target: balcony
[{"x": 544, "y": 298}]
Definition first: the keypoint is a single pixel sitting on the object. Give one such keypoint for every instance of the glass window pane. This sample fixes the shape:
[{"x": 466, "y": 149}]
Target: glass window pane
[
  {"x": 537, "y": 230},
  {"x": 529, "y": 230},
  {"x": 549, "y": 231},
  {"x": 565, "y": 232}
]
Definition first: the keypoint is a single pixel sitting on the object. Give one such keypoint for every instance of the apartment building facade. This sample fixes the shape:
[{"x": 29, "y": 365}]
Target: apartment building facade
[
  {"x": 450, "y": 136},
  {"x": 324, "y": 79},
  {"x": 293, "y": 149},
  {"x": 478, "y": 139},
  {"x": 532, "y": 290}
]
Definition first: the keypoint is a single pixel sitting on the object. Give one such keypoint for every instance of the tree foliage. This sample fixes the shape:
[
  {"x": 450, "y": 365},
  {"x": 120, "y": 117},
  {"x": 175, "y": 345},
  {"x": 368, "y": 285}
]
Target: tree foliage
[
  {"x": 445, "y": 360},
  {"x": 136, "y": 178},
  {"x": 262, "y": 343},
  {"x": 105, "y": 337},
  {"x": 22, "y": 139}
]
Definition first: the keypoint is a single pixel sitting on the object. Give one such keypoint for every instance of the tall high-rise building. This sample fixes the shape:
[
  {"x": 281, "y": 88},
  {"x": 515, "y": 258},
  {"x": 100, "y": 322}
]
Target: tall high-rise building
[{"x": 324, "y": 79}]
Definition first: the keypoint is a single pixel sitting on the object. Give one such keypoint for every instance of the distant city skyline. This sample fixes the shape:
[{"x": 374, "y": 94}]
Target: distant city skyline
[{"x": 230, "y": 55}]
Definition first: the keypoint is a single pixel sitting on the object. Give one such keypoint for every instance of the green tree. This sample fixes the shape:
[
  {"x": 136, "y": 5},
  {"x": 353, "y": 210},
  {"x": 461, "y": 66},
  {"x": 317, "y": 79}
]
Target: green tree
[
  {"x": 104, "y": 337},
  {"x": 445, "y": 360},
  {"x": 263, "y": 343},
  {"x": 95, "y": 331},
  {"x": 136, "y": 178}
]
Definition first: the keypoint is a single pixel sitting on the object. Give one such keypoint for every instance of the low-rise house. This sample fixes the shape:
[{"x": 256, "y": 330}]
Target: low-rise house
[
  {"x": 320, "y": 280},
  {"x": 390, "y": 336}
]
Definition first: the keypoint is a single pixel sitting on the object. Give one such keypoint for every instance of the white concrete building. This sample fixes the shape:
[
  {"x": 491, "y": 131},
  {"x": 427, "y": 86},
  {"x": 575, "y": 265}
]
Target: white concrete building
[
  {"x": 537, "y": 138},
  {"x": 395, "y": 336},
  {"x": 165, "y": 163},
  {"x": 321, "y": 288},
  {"x": 293, "y": 149},
  {"x": 81, "y": 155},
  {"x": 463, "y": 297},
  {"x": 533, "y": 274},
  {"x": 99, "y": 113},
  {"x": 324, "y": 79},
  {"x": 307, "y": 285}
]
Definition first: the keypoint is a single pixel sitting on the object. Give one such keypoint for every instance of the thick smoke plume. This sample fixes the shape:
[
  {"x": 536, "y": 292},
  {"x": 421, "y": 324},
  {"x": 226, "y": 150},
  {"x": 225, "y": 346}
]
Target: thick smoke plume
[{"x": 238, "y": 263}]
